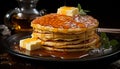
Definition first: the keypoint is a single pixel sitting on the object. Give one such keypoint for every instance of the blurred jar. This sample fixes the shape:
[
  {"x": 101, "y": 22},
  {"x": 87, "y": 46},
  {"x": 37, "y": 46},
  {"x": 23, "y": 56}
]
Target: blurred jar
[{"x": 19, "y": 19}]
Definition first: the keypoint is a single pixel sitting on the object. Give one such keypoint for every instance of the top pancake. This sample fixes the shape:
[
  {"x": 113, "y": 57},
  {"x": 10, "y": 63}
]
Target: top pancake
[{"x": 59, "y": 23}]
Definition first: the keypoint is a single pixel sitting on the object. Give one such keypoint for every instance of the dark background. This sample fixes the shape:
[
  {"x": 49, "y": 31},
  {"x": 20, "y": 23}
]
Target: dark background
[{"x": 106, "y": 11}]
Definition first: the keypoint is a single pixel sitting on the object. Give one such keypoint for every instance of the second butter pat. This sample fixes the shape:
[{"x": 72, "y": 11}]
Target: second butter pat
[{"x": 69, "y": 11}]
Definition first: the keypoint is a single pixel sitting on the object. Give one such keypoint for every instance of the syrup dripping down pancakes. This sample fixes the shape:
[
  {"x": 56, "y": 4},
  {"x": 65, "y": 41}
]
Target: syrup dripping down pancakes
[{"x": 64, "y": 33}]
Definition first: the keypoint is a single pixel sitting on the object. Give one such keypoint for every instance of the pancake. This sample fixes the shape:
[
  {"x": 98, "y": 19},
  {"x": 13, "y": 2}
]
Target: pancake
[
  {"x": 58, "y": 23},
  {"x": 73, "y": 44},
  {"x": 65, "y": 37},
  {"x": 87, "y": 45},
  {"x": 49, "y": 32},
  {"x": 72, "y": 49},
  {"x": 64, "y": 24}
]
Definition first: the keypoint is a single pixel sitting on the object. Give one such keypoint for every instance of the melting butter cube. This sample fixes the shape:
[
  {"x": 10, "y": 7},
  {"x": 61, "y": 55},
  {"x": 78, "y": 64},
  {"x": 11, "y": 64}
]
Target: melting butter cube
[
  {"x": 30, "y": 43},
  {"x": 69, "y": 11}
]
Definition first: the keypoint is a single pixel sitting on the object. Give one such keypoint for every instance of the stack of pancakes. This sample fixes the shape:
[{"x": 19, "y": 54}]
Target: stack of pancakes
[{"x": 66, "y": 33}]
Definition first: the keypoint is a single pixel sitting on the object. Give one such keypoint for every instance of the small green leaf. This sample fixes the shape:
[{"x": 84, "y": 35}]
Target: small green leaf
[
  {"x": 86, "y": 11},
  {"x": 79, "y": 7},
  {"x": 103, "y": 35},
  {"x": 113, "y": 42},
  {"x": 106, "y": 43},
  {"x": 81, "y": 11}
]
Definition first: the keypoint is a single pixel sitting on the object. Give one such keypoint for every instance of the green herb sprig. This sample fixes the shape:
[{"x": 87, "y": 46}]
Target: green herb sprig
[
  {"x": 81, "y": 11},
  {"x": 106, "y": 43}
]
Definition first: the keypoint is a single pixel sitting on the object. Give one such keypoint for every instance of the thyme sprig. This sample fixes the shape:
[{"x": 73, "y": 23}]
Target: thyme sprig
[
  {"x": 81, "y": 11},
  {"x": 106, "y": 42}
]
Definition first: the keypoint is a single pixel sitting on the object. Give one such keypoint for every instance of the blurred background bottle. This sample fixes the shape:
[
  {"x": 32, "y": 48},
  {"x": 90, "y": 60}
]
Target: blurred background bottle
[{"x": 19, "y": 19}]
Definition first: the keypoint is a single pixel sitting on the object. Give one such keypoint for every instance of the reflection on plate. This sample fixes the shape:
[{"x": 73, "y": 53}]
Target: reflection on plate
[{"x": 13, "y": 41}]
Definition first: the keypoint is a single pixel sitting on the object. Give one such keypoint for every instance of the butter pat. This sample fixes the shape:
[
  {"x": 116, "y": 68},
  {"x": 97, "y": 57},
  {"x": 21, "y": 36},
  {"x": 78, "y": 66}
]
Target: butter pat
[
  {"x": 30, "y": 43},
  {"x": 69, "y": 11}
]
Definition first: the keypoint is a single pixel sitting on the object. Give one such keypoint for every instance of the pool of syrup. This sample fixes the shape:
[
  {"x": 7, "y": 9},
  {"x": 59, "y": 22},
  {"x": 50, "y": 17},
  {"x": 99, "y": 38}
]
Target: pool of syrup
[{"x": 53, "y": 54}]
